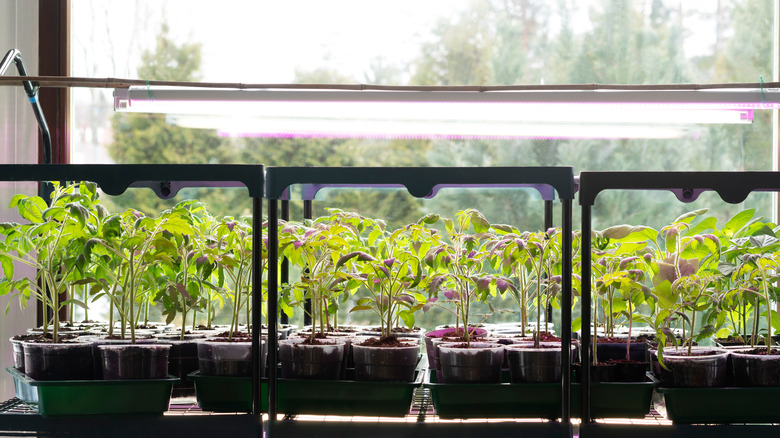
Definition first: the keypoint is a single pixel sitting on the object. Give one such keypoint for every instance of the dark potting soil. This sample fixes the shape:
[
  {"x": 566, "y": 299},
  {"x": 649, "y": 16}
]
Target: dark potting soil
[
  {"x": 731, "y": 340},
  {"x": 616, "y": 340},
  {"x": 28, "y": 338},
  {"x": 462, "y": 345},
  {"x": 385, "y": 341},
  {"x": 547, "y": 337},
  {"x": 47, "y": 338},
  {"x": 223, "y": 337},
  {"x": 315, "y": 341},
  {"x": 762, "y": 351},
  {"x": 127, "y": 336},
  {"x": 405, "y": 330},
  {"x": 226, "y": 334},
  {"x": 453, "y": 339}
]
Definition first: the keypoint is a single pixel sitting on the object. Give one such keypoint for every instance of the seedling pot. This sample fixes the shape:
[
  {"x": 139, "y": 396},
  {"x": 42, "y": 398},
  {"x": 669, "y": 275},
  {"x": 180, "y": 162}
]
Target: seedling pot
[
  {"x": 617, "y": 351},
  {"x": 221, "y": 357},
  {"x": 97, "y": 359},
  {"x": 62, "y": 361},
  {"x": 385, "y": 364},
  {"x": 311, "y": 361},
  {"x": 600, "y": 372},
  {"x": 630, "y": 371},
  {"x": 705, "y": 367},
  {"x": 479, "y": 363},
  {"x": 752, "y": 369},
  {"x": 534, "y": 365},
  {"x": 430, "y": 349},
  {"x": 123, "y": 362}
]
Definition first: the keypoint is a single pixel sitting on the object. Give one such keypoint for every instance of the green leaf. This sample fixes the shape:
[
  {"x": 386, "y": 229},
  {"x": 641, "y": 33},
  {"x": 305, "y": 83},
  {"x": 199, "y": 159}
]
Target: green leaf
[
  {"x": 449, "y": 225},
  {"x": 480, "y": 223},
  {"x": 32, "y": 208},
  {"x": 629, "y": 233},
  {"x": 177, "y": 225},
  {"x": 8, "y": 267},
  {"x": 706, "y": 224},
  {"x": 407, "y": 317},
  {"x": 775, "y": 319},
  {"x": 78, "y": 212},
  {"x": 429, "y": 219},
  {"x": 688, "y": 217},
  {"x": 738, "y": 221}
]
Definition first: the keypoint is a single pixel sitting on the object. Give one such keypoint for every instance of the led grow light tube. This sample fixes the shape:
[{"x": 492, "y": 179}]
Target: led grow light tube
[{"x": 493, "y": 114}]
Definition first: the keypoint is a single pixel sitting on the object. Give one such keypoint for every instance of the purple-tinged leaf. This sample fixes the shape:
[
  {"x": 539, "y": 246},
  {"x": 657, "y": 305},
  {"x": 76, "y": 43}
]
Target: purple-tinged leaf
[
  {"x": 483, "y": 283},
  {"x": 451, "y": 294},
  {"x": 626, "y": 261},
  {"x": 435, "y": 284}
]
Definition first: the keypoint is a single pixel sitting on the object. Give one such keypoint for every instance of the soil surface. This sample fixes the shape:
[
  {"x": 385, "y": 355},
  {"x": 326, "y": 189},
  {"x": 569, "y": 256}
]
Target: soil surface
[
  {"x": 47, "y": 338},
  {"x": 621, "y": 361},
  {"x": 615, "y": 340},
  {"x": 762, "y": 351},
  {"x": 226, "y": 334},
  {"x": 315, "y": 341},
  {"x": 548, "y": 337},
  {"x": 386, "y": 341}
]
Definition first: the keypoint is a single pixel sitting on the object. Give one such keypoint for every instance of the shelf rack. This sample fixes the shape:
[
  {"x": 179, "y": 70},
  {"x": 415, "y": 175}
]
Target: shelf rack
[
  {"x": 733, "y": 187},
  {"x": 421, "y": 182},
  {"x": 165, "y": 180}
]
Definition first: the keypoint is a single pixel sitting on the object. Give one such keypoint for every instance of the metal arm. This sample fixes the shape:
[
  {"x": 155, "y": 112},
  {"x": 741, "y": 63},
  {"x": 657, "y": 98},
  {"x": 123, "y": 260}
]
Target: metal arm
[{"x": 31, "y": 88}]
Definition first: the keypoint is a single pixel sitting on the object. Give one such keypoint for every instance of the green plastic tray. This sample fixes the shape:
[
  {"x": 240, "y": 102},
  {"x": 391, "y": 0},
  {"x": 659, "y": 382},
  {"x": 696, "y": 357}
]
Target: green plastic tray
[
  {"x": 616, "y": 399},
  {"x": 347, "y": 397},
  {"x": 312, "y": 397},
  {"x": 227, "y": 394},
  {"x": 537, "y": 400},
  {"x": 497, "y": 400},
  {"x": 60, "y": 398},
  {"x": 722, "y": 405}
]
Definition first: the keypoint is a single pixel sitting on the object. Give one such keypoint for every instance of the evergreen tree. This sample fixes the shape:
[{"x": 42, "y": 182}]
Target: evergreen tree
[{"x": 147, "y": 138}]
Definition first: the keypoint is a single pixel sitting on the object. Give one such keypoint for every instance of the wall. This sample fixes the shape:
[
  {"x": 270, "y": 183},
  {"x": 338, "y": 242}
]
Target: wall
[{"x": 18, "y": 144}]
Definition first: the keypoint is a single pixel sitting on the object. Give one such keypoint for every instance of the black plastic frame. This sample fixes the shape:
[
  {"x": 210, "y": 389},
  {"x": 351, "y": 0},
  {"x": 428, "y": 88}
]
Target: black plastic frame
[
  {"x": 421, "y": 182},
  {"x": 733, "y": 187},
  {"x": 165, "y": 180}
]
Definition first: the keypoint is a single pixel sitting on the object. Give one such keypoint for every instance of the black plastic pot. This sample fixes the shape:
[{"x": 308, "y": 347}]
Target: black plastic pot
[
  {"x": 479, "y": 363},
  {"x": 385, "y": 364},
  {"x": 752, "y": 369},
  {"x": 630, "y": 371},
  {"x": 601, "y": 372},
  {"x": 61, "y": 361},
  {"x": 133, "y": 361},
  {"x": 311, "y": 361},
  {"x": 705, "y": 367},
  {"x": 617, "y": 351}
]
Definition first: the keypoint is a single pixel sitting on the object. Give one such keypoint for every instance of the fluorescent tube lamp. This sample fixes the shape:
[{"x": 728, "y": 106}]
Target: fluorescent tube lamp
[{"x": 446, "y": 114}]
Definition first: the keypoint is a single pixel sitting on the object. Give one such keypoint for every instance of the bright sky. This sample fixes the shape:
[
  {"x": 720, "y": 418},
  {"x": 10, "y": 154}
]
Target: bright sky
[{"x": 259, "y": 41}]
